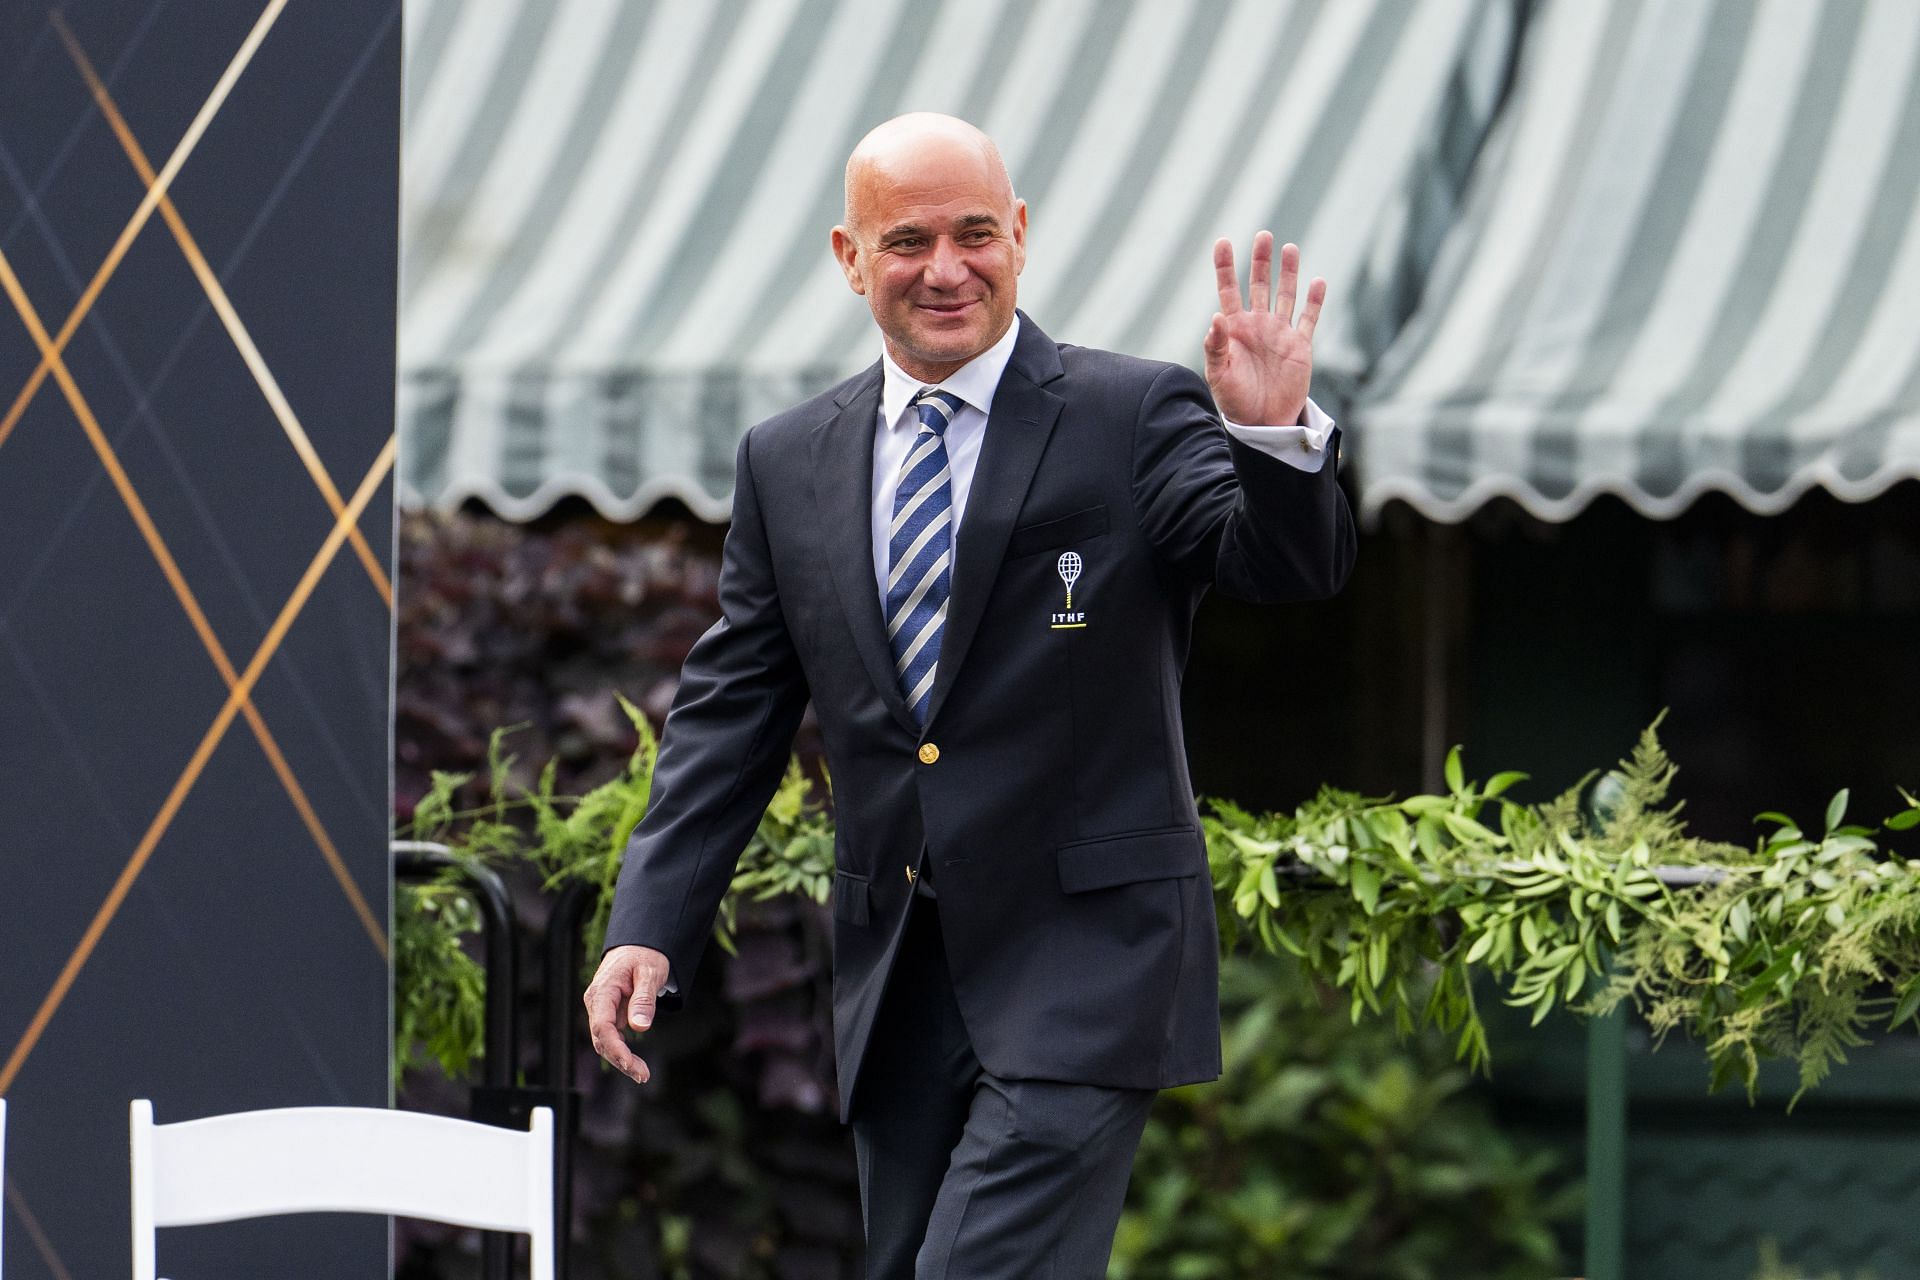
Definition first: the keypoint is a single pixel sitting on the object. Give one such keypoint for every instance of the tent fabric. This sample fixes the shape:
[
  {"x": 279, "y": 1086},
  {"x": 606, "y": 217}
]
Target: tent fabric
[
  {"x": 616, "y": 213},
  {"x": 1688, "y": 260}
]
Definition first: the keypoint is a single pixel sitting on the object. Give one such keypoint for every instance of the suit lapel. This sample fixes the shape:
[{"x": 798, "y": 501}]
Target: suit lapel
[
  {"x": 843, "y": 484},
  {"x": 1024, "y": 413}
]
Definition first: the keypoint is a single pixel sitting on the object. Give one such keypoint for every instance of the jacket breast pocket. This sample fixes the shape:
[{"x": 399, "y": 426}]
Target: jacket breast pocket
[
  {"x": 1105, "y": 861},
  {"x": 1060, "y": 531},
  {"x": 852, "y": 898}
]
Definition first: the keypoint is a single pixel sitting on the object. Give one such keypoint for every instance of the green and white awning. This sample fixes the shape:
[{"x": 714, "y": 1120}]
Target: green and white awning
[
  {"x": 1689, "y": 260},
  {"x": 616, "y": 213}
]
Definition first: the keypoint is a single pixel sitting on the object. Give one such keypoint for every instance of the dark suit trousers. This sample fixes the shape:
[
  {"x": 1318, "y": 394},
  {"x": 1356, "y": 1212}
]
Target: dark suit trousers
[{"x": 966, "y": 1176}]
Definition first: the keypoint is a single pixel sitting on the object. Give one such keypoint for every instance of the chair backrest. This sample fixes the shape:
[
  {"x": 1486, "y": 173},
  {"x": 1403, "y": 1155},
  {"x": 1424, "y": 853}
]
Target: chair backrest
[{"x": 255, "y": 1164}]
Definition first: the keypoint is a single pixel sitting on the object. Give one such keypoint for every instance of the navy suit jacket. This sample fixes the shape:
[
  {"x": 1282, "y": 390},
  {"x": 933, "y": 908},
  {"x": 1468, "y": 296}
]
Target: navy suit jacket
[{"x": 1058, "y": 816}]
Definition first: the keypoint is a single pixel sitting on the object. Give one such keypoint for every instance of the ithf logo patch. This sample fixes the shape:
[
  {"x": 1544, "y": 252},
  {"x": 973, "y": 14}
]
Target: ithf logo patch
[{"x": 1068, "y": 617}]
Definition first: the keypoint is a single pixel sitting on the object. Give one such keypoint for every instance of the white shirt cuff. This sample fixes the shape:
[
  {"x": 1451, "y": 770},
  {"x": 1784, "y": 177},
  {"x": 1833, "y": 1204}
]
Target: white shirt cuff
[{"x": 1303, "y": 447}]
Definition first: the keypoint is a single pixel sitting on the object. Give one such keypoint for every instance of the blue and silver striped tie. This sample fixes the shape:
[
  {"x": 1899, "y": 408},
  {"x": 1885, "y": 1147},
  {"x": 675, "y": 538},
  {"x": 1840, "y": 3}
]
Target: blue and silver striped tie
[{"x": 920, "y": 552}]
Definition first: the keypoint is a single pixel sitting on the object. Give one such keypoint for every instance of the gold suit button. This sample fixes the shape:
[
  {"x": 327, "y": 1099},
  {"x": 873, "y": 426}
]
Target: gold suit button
[{"x": 928, "y": 753}]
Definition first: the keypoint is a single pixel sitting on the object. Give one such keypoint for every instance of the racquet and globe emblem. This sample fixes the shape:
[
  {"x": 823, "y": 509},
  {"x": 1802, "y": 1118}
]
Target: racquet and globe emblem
[{"x": 1069, "y": 571}]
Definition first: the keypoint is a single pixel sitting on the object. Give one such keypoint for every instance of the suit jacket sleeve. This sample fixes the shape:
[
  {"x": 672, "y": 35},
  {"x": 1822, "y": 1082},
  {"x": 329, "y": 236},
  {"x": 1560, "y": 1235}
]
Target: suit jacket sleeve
[
  {"x": 722, "y": 753},
  {"x": 1220, "y": 512}
]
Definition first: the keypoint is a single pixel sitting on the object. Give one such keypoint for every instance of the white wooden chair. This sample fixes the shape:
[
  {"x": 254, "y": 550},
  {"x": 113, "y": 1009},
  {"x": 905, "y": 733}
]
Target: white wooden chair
[{"x": 256, "y": 1164}]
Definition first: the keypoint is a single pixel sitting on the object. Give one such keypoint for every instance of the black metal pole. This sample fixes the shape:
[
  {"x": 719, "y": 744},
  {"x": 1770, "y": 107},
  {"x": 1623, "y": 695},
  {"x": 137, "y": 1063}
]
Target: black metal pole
[
  {"x": 560, "y": 1043},
  {"x": 425, "y": 860}
]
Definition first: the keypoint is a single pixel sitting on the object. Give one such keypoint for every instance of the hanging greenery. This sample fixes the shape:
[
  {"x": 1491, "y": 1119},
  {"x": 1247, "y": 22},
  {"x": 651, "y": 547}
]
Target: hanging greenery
[
  {"x": 1800, "y": 946},
  {"x": 1796, "y": 947}
]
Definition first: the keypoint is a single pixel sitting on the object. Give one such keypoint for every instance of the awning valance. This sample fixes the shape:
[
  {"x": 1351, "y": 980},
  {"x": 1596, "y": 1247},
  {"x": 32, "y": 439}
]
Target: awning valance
[
  {"x": 1689, "y": 260},
  {"x": 616, "y": 213}
]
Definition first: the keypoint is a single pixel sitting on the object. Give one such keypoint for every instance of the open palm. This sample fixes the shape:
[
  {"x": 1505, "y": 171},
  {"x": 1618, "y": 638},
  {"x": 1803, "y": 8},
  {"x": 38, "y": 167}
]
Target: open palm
[{"x": 1259, "y": 361}]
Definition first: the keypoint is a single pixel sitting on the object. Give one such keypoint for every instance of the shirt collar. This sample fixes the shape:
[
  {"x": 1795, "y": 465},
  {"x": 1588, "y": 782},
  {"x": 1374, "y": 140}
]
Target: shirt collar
[{"x": 974, "y": 382}]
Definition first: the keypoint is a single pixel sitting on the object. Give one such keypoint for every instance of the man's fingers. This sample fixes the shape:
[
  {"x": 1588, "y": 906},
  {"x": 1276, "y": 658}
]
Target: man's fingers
[
  {"x": 624, "y": 989},
  {"x": 603, "y": 1007},
  {"x": 1316, "y": 294},
  {"x": 1260, "y": 276},
  {"x": 1215, "y": 344},
  {"x": 1223, "y": 277},
  {"x": 1289, "y": 281},
  {"x": 603, "y": 1002},
  {"x": 608, "y": 1044}
]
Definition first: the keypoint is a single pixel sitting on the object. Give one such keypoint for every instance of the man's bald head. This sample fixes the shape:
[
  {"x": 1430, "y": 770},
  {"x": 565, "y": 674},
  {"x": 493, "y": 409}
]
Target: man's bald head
[
  {"x": 934, "y": 239},
  {"x": 902, "y": 147}
]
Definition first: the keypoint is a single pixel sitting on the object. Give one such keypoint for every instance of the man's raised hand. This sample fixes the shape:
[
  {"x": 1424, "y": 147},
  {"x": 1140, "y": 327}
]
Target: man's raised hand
[
  {"x": 1259, "y": 362},
  {"x": 624, "y": 989}
]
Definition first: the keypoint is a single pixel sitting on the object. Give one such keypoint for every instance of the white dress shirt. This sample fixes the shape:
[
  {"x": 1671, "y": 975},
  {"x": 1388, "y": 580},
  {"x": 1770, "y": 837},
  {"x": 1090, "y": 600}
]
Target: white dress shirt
[{"x": 974, "y": 383}]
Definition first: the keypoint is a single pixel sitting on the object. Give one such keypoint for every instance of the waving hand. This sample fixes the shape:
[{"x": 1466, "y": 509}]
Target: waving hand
[{"x": 1259, "y": 361}]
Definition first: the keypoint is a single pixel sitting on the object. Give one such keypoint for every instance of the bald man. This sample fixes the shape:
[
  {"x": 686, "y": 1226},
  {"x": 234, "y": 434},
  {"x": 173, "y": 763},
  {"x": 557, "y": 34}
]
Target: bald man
[{"x": 981, "y": 559}]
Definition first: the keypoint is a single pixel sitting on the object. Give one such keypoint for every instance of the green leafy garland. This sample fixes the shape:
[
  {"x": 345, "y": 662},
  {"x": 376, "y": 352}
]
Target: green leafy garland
[
  {"x": 1799, "y": 947},
  {"x": 1789, "y": 949}
]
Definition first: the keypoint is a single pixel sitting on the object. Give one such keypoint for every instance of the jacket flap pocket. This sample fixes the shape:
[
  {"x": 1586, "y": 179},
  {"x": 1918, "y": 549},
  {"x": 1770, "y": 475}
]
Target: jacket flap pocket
[
  {"x": 1123, "y": 859},
  {"x": 1047, "y": 534},
  {"x": 852, "y": 897}
]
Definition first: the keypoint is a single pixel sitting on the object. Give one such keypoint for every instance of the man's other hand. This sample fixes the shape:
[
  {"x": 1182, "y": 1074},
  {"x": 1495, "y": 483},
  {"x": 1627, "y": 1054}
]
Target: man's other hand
[
  {"x": 1259, "y": 362},
  {"x": 624, "y": 990}
]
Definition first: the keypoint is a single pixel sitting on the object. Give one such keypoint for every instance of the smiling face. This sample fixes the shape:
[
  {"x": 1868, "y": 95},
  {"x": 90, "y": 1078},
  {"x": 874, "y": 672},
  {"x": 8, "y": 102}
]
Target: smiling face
[{"x": 934, "y": 239}]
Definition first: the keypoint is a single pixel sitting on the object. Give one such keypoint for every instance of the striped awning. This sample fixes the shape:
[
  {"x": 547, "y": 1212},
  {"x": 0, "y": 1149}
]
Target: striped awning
[
  {"x": 616, "y": 213},
  {"x": 1689, "y": 260}
]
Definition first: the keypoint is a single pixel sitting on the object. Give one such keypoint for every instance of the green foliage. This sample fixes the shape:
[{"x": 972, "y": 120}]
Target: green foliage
[
  {"x": 791, "y": 852},
  {"x": 1798, "y": 947},
  {"x": 1329, "y": 1150},
  {"x": 563, "y": 837},
  {"x": 439, "y": 990},
  {"x": 1786, "y": 949},
  {"x": 439, "y": 1006}
]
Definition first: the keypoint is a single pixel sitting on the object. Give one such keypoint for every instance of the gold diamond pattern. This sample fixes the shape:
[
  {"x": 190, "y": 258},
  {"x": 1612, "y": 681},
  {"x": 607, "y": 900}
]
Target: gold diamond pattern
[{"x": 346, "y": 527}]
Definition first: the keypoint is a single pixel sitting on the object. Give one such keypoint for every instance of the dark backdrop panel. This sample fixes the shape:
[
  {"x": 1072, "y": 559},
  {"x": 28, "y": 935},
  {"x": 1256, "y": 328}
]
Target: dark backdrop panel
[{"x": 219, "y": 944}]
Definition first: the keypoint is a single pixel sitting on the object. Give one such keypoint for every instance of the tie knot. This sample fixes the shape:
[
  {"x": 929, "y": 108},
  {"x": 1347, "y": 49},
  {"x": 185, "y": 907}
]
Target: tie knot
[{"x": 936, "y": 408}]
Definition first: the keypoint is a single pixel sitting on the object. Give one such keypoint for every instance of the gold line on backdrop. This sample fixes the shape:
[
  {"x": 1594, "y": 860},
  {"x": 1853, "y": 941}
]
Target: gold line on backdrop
[
  {"x": 191, "y": 774},
  {"x": 188, "y": 141},
  {"x": 223, "y": 306},
  {"x": 51, "y": 362},
  {"x": 182, "y": 592}
]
